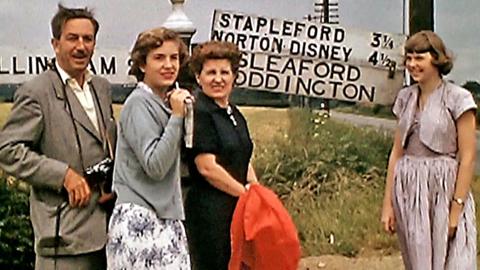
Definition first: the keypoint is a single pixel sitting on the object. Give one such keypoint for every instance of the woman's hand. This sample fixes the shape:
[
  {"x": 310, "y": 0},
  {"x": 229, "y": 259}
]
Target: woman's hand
[
  {"x": 217, "y": 176},
  {"x": 177, "y": 99},
  {"x": 388, "y": 217},
  {"x": 454, "y": 215},
  {"x": 467, "y": 145}
]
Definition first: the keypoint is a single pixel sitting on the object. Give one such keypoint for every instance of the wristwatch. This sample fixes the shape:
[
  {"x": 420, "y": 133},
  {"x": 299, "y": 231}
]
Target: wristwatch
[{"x": 459, "y": 201}]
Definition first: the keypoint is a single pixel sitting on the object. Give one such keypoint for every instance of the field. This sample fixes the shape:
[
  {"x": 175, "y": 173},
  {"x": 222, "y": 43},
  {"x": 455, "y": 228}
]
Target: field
[
  {"x": 4, "y": 111},
  {"x": 330, "y": 176}
]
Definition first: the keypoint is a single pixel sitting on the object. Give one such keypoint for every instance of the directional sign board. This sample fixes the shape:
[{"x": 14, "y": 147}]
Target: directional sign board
[
  {"x": 310, "y": 59},
  {"x": 18, "y": 65}
]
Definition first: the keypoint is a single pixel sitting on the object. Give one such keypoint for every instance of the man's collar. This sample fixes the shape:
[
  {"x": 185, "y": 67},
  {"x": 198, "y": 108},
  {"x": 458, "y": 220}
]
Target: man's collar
[{"x": 65, "y": 77}]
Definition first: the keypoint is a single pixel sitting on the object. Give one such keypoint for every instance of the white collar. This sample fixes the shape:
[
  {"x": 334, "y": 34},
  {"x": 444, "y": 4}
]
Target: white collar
[
  {"x": 65, "y": 77},
  {"x": 144, "y": 87}
]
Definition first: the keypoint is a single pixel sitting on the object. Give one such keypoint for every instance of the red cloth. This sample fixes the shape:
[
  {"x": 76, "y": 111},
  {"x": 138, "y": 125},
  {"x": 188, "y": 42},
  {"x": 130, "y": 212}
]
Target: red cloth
[{"x": 262, "y": 233}]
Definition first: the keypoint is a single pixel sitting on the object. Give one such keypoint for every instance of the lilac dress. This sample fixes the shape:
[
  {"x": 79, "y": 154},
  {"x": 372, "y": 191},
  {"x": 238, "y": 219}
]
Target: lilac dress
[{"x": 424, "y": 183}]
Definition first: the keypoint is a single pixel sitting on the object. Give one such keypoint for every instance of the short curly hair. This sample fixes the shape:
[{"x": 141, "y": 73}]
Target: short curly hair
[
  {"x": 149, "y": 40},
  {"x": 427, "y": 41},
  {"x": 215, "y": 50}
]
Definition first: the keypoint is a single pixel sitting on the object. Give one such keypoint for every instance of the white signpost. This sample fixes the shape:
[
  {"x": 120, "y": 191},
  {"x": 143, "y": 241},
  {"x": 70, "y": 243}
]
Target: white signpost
[
  {"x": 18, "y": 65},
  {"x": 310, "y": 59}
]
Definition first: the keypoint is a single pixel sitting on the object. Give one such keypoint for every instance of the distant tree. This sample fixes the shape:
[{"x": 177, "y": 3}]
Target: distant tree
[{"x": 474, "y": 88}]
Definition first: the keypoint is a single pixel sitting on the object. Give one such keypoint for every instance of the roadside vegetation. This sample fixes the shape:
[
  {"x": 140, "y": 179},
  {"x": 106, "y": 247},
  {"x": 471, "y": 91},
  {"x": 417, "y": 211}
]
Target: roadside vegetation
[
  {"x": 377, "y": 110},
  {"x": 329, "y": 175},
  {"x": 331, "y": 178}
]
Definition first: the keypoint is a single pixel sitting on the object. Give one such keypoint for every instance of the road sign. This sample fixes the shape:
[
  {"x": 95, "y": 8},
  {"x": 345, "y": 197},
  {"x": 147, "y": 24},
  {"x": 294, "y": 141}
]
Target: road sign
[
  {"x": 18, "y": 65},
  {"x": 310, "y": 59}
]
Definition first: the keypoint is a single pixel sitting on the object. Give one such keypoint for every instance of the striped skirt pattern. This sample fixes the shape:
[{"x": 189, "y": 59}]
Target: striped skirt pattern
[
  {"x": 422, "y": 195},
  {"x": 138, "y": 240}
]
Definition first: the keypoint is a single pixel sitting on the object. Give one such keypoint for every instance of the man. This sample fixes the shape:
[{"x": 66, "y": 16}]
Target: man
[{"x": 61, "y": 124}]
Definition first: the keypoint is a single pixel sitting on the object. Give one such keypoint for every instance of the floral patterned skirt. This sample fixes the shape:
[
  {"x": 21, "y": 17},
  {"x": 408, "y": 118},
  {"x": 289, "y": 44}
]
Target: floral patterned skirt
[{"x": 138, "y": 240}]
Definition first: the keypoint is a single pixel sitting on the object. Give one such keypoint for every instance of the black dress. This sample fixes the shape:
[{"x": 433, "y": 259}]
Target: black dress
[{"x": 209, "y": 211}]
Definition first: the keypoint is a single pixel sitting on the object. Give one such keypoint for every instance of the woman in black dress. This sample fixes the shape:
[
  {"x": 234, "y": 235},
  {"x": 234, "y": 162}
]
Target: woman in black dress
[{"x": 219, "y": 162}]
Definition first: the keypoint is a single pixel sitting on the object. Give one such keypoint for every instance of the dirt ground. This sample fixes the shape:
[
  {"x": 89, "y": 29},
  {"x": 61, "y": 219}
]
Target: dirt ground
[{"x": 335, "y": 262}]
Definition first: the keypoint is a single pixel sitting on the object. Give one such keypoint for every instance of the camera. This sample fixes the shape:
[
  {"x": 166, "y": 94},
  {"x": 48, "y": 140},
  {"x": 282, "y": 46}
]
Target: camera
[{"x": 100, "y": 175}]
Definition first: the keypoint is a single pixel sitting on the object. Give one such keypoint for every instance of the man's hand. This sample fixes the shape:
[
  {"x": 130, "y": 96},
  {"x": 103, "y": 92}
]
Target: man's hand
[
  {"x": 77, "y": 187},
  {"x": 105, "y": 197}
]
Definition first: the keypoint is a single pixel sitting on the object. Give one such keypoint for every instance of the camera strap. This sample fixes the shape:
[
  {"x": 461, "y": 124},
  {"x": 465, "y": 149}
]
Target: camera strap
[
  {"x": 106, "y": 143},
  {"x": 70, "y": 111}
]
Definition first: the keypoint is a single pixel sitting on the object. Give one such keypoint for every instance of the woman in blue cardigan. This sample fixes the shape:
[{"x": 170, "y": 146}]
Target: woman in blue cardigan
[{"x": 145, "y": 230}]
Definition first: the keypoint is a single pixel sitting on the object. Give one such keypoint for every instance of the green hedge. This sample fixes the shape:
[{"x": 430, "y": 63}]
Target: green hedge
[{"x": 16, "y": 235}]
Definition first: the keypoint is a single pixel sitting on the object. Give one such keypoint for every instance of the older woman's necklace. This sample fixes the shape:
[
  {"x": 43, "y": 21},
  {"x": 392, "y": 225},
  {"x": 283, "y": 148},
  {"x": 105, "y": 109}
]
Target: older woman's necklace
[{"x": 230, "y": 115}]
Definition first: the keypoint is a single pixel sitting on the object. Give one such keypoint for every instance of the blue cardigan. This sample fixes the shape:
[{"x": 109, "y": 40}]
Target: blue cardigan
[{"x": 147, "y": 161}]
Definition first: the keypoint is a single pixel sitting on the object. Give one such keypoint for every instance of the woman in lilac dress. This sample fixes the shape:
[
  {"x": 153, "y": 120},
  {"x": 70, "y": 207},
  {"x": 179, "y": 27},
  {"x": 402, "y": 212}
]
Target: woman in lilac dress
[{"x": 427, "y": 196}]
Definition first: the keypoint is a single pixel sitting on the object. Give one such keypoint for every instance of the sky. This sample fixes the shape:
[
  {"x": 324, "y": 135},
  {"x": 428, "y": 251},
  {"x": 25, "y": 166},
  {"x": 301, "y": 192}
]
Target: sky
[{"x": 26, "y": 23}]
